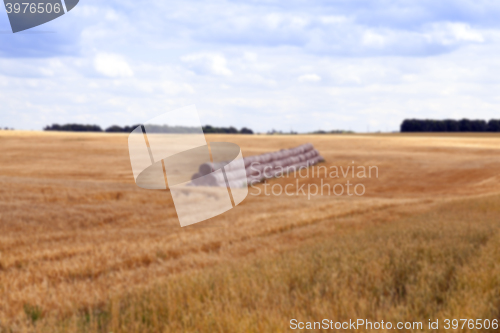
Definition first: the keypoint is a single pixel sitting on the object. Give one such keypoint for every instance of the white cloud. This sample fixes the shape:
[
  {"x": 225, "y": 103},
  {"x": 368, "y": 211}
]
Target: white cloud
[
  {"x": 250, "y": 56},
  {"x": 448, "y": 33},
  {"x": 333, "y": 19},
  {"x": 463, "y": 32},
  {"x": 112, "y": 65},
  {"x": 309, "y": 78},
  {"x": 207, "y": 63},
  {"x": 86, "y": 11},
  {"x": 174, "y": 88},
  {"x": 371, "y": 38},
  {"x": 257, "y": 64}
]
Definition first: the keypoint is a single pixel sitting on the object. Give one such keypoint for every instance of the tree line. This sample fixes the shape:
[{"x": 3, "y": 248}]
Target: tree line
[
  {"x": 227, "y": 130},
  {"x": 155, "y": 128},
  {"x": 332, "y": 132},
  {"x": 450, "y": 125}
]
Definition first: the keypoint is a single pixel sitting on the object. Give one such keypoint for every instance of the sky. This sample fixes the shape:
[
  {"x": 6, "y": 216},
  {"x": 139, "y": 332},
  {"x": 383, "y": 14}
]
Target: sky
[{"x": 361, "y": 65}]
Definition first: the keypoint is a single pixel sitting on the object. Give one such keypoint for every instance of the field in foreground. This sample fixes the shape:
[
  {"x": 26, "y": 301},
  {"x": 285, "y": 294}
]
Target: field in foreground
[{"x": 83, "y": 249}]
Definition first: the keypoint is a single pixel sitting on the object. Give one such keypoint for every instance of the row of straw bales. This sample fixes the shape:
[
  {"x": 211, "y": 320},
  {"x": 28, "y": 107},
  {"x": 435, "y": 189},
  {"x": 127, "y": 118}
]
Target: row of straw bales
[{"x": 258, "y": 168}]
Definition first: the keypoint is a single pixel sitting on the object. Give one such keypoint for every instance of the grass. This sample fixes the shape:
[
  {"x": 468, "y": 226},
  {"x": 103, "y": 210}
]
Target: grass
[
  {"x": 33, "y": 313},
  {"x": 440, "y": 264},
  {"x": 82, "y": 249}
]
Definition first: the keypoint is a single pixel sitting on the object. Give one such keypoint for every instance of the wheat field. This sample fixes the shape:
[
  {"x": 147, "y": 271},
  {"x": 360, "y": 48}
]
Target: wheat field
[{"x": 83, "y": 249}]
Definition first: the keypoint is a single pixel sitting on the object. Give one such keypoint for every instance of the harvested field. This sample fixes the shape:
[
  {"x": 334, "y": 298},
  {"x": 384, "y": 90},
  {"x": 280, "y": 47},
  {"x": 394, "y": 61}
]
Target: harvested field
[{"x": 82, "y": 248}]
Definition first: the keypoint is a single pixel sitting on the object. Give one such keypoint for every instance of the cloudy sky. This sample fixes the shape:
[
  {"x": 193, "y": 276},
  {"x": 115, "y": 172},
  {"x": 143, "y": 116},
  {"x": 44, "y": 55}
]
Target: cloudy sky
[{"x": 300, "y": 65}]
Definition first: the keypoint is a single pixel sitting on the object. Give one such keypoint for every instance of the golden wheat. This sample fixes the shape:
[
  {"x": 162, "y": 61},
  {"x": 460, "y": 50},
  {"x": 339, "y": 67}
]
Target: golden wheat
[{"x": 82, "y": 248}]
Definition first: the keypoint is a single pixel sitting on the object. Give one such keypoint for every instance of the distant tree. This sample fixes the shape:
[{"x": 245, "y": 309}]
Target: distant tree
[
  {"x": 451, "y": 125},
  {"x": 114, "y": 129},
  {"x": 478, "y": 126},
  {"x": 232, "y": 130},
  {"x": 150, "y": 128},
  {"x": 208, "y": 129},
  {"x": 245, "y": 130},
  {"x": 464, "y": 125},
  {"x": 328, "y": 132},
  {"x": 129, "y": 129},
  {"x": 54, "y": 127},
  {"x": 494, "y": 125},
  {"x": 119, "y": 129},
  {"x": 448, "y": 125},
  {"x": 438, "y": 126},
  {"x": 73, "y": 128},
  {"x": 412, "y": 125}
]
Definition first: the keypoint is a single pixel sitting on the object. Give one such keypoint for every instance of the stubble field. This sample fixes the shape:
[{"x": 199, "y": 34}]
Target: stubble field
[{"x": 83, "y": 249}]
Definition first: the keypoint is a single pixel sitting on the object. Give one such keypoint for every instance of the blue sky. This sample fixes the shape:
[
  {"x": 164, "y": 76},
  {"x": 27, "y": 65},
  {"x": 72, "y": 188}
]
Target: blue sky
[{"x": 301, "y": 65}]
